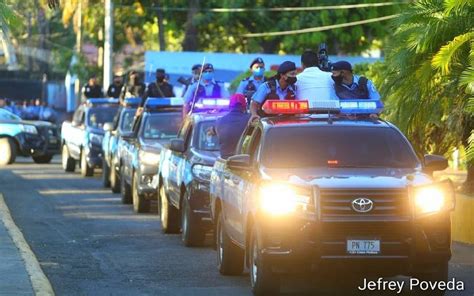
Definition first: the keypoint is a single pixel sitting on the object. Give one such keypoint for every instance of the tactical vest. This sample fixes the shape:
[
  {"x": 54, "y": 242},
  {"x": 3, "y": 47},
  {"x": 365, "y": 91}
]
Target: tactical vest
[
  {"x": 216, "y": 91},
  {"x": 250, "y": 89},
  {"x": 361, "y": 92},
  {"x": 272, "y": 95}
]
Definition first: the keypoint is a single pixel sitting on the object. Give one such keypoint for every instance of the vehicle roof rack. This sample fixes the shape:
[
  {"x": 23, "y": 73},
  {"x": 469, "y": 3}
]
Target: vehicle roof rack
[
  {"x": 159, "y": 104},
  {"x": 101, "y": 101},
  {"x": 132, "y": 102}
]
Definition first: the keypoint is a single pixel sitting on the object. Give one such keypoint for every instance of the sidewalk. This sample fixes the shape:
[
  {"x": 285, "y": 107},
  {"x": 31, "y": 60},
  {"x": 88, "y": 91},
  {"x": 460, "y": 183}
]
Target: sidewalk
[
  {"x": 14, "y": 279},
  {"x": 20, "y": 271}
]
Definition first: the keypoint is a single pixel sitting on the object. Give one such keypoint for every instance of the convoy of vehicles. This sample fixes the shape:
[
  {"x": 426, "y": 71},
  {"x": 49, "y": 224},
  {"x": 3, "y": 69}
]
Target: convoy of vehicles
[
  {"x": 141, "y": 148},
  {"x": 81, "y": 139},
  {"x": 38, "y": 139},
  {"x": 306, "y": 191}
]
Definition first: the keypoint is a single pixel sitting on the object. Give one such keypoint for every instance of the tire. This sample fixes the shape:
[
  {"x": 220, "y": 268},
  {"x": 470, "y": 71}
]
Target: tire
[
  {"x": 262, "y": 279},
  {"x": 230, "y": 258},
  {"x": 439, "y": 274},
  {"x": 7, "y": 151},
  {"x": 43, "y": 158},
  {"x": 86, "y": 170},
  {"x": 69, "y": 163},
  {"x": 125, "y": 189},
  {"x": 140, "y": 204},
  {"x": 169, "y": 215},
  {"x": 114, "y": 180},
  {"x": 192, "y": 233},
  {"x": 105, "y": 174}
]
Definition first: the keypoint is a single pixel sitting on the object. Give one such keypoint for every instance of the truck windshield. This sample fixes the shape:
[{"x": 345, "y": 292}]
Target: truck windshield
[
  {"x": 97, "y": 116},
  {"x": 207, "y": 137},
  {"x": 345, "y": 147},
  {"x": 127, "y": 120},
  {"x": 162, "y": 126}
]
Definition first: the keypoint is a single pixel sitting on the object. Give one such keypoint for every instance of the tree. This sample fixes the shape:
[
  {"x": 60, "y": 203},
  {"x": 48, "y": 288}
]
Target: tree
[{"x": 430, "y": 76}]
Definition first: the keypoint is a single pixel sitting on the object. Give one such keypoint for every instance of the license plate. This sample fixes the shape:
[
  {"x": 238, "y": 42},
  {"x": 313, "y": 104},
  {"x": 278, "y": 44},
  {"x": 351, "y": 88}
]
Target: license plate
[{"x": 363, "y": 246}]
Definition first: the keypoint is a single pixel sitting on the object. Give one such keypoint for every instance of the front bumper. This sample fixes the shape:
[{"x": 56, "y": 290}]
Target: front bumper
[
  {"x": 148, "y": 180},
  {"x": 94, "y": 156},
  {"x": 406, "y": 247},
  {"x": 37, "y": 144}
]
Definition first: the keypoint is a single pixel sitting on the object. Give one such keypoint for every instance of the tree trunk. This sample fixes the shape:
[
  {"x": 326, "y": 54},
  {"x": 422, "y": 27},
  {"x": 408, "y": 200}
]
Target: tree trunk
[
  {"x": 468, "y": 186},
  {"x": 161, "y": 30},
  {"x": 270, "y": 46},
  {"x": 43, "y": 25},
  {"x": 190, "y": 42}
]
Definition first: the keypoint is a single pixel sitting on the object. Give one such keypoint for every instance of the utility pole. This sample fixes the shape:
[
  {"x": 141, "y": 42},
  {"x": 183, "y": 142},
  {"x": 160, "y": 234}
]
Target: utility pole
[
  {"x": 161, "y": 29},
  {"x": 77, "y": 84},
  {"x": 108, "y": 43}
]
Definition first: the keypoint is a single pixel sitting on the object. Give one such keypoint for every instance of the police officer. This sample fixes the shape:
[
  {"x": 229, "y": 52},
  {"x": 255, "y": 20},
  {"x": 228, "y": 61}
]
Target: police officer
[
  {"x": 280, "y": 87},
  {"x": 135, "y": 87},
  {"x": 92, "y": 89},
  {"x": 195, "y": 71},
  {"x": 115, "y": 88},
  {"x": 249, "y": 85},
  {"x": 230, "y": 127},
  {"x": 208, "y": 87},
  {"x": 160, "y": 88},
  {"x": 350, "y": 86}
]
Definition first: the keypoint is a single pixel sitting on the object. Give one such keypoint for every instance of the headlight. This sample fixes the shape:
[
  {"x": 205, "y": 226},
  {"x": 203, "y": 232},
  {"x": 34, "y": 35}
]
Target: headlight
[
  {"x": 280, "y": 199},
  {"x": 202, "y": 172},
  {"x": 434, "y": 198},
  {"x": 149, "y": 157},
  {"x": 30, "y": 129},
  {"x": 96, "y": 139}
]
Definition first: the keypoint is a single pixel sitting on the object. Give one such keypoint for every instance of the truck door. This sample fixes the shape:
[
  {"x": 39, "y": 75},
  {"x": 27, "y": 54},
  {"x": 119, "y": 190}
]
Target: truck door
[
  {"x": 77, "y": 132},
  {"x": 177, "y": 164}
]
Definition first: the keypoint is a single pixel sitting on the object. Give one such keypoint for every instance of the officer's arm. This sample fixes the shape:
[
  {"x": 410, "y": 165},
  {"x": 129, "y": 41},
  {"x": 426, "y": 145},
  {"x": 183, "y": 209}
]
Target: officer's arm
[
  {"x": 257, "y": 99},
  {"x": 240, "y": 88},
  {"x": 254, "y": 106},
  {"x": 188, "y": 96},
  {"x": 373, "y": 93}
]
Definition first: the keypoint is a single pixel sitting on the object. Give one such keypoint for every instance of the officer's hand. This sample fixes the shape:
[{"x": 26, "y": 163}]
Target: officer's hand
[{"x": 253, "y": 118}]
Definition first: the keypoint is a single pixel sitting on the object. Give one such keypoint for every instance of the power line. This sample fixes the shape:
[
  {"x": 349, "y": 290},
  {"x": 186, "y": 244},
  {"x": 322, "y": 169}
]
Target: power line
[
  {"x": 276, "y": 9},
  {"x": 319, "y": 29}
]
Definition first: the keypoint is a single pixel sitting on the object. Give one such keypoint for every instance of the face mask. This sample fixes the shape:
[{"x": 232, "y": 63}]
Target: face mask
[
  {"x": 258, "y": 72},
  {"x": 208, "y": 76},
  {"x": 337, "y": 79},
  {"x": 291, "y": 80}
]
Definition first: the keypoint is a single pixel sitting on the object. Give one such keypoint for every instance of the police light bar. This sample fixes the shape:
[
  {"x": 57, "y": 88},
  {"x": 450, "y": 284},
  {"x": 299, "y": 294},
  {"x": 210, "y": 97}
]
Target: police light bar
[
  {"x": 102, "y": 101},
  {"x": 285, "y": 107},
  {"x": 159, "y": 103},
  {"x": 132, "y": 102},
  {"x": 361, "y": 106},
  {"x": 211, "y": 104},
  {"x": 324, "y": 106}
]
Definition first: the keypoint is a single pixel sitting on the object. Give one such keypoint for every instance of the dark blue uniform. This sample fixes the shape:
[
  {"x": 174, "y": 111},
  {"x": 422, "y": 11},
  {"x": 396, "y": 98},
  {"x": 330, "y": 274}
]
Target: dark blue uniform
[{"x": 229, "y": 129}]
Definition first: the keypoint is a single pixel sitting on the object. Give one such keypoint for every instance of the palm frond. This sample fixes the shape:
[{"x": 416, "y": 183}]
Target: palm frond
[
  {"x": 453, "y": 5},
  {"x": 445, "y": 57}
]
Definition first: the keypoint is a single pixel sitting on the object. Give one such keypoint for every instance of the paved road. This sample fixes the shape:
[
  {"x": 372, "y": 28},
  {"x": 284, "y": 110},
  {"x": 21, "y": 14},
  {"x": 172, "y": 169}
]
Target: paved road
[{"x": 88, "y": 243}]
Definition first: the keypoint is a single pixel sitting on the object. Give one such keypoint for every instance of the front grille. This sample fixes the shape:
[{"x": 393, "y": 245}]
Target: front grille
[{"x": 336, "y": 204}]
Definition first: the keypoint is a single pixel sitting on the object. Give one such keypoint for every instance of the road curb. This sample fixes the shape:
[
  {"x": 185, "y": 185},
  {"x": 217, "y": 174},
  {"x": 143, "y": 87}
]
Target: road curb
[
  {"x": 463, "y": 220},
  {"x": 39, "y": 281}
]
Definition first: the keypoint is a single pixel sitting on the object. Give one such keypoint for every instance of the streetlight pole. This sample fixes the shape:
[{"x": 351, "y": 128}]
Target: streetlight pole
[{"x": 108, "y": 43}]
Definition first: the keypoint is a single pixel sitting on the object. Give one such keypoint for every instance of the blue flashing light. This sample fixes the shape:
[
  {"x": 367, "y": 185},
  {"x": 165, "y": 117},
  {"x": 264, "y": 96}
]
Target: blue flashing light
[
  {"x": 206, "y": 104},
  {"x": 132, "y": 102},
  {"x": 102, "y": 101},
  {"x": 157, "y": 103},
  {"x": 361, "y": 106}
]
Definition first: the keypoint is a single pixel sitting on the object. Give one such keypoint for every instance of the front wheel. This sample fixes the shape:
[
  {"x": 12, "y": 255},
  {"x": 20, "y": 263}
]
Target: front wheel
[
  {"x": 7, "y": 151},
  {"x": 193, "y": 233},
  {"x": 69, "y": 163},
  {"x": 262, "y": 279},
  {"x": 140, "y": 204},
  {"x": 105, "y": 174},
  {"x": 86, "y": 170},
  {"x": 230, "y": 257},
  {"x": 169, "y": 215},
  {"x": 125, "y": 188},
  {"x": 114, "y": 179}
]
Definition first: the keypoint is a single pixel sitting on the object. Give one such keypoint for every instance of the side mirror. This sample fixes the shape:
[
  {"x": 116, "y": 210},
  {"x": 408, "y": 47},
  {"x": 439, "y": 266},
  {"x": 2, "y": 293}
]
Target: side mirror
[
  {"x": 435, "y": 163},
  {"x": 177, "y": 145},
  {"x": 239, "y": 162},
  {"x": 108, "y": 126}
]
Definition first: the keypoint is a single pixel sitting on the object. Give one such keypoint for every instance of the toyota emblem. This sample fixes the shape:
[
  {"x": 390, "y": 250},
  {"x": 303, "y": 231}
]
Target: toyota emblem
[{"x": 362, "y": 205}]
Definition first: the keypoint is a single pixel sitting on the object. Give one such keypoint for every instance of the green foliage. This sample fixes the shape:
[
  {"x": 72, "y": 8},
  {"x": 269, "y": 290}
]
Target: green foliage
[
  {"x": 235, "y": 83},
  {"x": 429, "y": 75}
]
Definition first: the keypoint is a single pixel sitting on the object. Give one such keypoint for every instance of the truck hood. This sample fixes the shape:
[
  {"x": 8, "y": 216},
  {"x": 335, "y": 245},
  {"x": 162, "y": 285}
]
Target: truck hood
[
  {"x": 367, "y": 178},
  {"x": 205, "y": 157},
  {"x": 28, "y": 122},
  {"x": 154, "y": 146}
]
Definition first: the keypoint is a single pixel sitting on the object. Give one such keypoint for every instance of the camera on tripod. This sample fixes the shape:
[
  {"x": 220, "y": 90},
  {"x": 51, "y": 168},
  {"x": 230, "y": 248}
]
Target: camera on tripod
[{"x": 324, "y": 63}]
